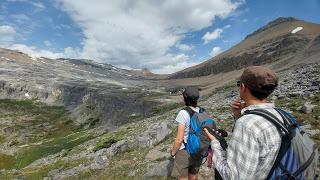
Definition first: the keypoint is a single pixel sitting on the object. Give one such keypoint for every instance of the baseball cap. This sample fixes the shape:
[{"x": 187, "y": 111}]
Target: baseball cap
[
  {"x": 191, "y": 92},
  {"x": 260, "y": 79}
]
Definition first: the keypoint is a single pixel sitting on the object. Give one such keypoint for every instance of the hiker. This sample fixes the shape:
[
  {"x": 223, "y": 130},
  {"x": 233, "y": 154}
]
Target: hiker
[
  {"x": 256, "y": 140},
  {"x": 184, "y": 166}
]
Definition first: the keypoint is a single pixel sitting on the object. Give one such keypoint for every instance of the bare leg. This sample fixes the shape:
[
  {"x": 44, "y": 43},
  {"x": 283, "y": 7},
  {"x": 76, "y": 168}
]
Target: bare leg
[
  {"x": 193, "y": 176},
  {"x": 183, "y": 178}
]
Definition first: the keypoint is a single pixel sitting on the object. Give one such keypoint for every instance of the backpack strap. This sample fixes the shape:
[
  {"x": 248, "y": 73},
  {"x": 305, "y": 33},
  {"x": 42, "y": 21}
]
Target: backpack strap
[
  {"x": 189, "y": 111},
  {"x": 283, "y": 130}
]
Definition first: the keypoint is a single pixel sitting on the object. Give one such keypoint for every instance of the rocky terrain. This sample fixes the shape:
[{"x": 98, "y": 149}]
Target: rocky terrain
[
  {"x": 140, "y": 150},
  {"x": 94, "y": 93},
  {"x": 78, "y": 119}
]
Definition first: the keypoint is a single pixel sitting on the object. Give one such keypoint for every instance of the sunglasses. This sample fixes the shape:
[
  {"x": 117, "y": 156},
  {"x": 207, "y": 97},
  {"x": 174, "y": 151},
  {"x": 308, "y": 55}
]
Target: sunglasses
[{"x": 238, "y": 83}]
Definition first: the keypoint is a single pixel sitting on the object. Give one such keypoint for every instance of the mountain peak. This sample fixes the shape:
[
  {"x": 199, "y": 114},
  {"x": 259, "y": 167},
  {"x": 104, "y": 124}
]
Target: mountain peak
[{"x": 273, "y": 23}]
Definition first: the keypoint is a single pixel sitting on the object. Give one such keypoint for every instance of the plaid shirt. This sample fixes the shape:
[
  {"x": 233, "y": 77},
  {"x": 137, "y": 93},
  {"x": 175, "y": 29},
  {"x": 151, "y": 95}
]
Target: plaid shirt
[{"x": 253, "y": 147}]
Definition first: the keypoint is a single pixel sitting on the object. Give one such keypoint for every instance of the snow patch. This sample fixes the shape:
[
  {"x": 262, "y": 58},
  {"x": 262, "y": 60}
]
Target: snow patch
[
  {"x": 26, "y": 95},
  {"x": 297, "y": 29},
  {"x": 124, "y": 88}
]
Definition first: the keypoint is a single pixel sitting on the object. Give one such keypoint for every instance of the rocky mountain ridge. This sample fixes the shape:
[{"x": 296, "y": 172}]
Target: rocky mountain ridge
[
  {"x": 94, "y": 93},
  {"x": 273, "y": 43}
]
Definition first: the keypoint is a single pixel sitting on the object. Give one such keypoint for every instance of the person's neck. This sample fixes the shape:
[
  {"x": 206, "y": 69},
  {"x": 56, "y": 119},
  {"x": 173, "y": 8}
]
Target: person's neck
[{"x": 250, "y": 102}]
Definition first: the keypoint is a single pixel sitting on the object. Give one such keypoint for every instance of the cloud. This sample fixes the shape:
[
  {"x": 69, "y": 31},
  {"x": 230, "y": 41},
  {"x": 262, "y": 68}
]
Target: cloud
[
  {"x": 37, "y": 5},
  {"x": 140, "y": 34},
  {"x": 47, "y": 43},
  {"x": 182, "y": 62},
  {"x": 20, "y": 18},
  {"x": 7, "y": 35},
  {"x": 184, "y": 47},
  {"x": 215, "y": 51},
  {"x": 33, "y": 51},
  {"x": 227, "y": 26},
  {"x": 210, "y": 36}
]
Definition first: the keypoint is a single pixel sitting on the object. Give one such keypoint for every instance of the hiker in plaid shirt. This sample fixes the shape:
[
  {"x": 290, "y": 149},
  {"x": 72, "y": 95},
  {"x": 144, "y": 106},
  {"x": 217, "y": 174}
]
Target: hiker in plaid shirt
[{"x": 255, "y": 141}]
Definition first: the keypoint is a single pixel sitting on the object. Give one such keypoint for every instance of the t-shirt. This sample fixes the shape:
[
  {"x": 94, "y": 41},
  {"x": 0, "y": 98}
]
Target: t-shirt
[{"x": 183, "y": 117}]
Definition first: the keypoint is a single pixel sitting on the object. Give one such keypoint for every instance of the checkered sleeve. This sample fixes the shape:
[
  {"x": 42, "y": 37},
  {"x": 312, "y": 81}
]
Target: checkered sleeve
[{"x": 240, "y": 161}]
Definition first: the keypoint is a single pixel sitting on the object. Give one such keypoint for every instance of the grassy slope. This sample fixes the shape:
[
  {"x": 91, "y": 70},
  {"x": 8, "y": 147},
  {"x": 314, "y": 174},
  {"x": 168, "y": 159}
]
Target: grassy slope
[{"x": 60, "y": 134}]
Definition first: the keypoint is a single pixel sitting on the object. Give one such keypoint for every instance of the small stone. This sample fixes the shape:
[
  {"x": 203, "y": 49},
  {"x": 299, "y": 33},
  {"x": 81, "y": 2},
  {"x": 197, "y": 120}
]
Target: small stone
[
  {"x": 299, "y": 108},
  {"x": 307, "y": 108}
]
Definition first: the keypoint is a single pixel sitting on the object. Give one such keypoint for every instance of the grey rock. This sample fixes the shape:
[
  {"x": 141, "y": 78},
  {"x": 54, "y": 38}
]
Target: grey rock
[
  {"x": 299, "y": 108},
  {"x": 155, "y": 154},
  {"x": 117, "y": 147},
  {"x": 161, "y": 169},
  {"x": 224, "y": 116},
  {"x": 154, "y": 134},
  {"x": 307, "y": 108}
]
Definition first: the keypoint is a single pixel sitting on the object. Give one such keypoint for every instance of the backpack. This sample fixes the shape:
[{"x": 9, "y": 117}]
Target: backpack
[
  {"x": 198, "y": 144},
  {"x": 298, "y": 154}
]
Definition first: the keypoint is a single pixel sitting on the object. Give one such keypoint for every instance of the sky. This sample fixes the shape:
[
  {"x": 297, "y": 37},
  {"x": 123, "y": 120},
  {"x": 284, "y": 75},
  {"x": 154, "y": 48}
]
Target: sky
[{"x": 164, "y": 36}]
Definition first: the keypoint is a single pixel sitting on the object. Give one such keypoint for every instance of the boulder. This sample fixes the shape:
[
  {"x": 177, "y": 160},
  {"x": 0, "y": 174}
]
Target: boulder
[
  {"x": 156, "y": 155},
  {"x": 307, "y": 108},
  {"x": 161, "y": 169},
  {"x": 117, "y": 147},
  {"x": 154, "y": 134}
]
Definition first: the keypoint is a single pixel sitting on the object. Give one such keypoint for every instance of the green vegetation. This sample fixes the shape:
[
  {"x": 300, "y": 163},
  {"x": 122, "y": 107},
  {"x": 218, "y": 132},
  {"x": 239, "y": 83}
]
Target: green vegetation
[
  {"x": 303, "y": 118},
  {"x": 108, "y": 139},
  {"x": 6, "y": 161},
  {"x": 39, "y": 173},
  {"x": 30, "y": 154},
  {"x": 45, "y": 130},
  {"x": 2, "y": 139},
  {"x": 121, "y": 165},
  {"x": 165, "y": 108},
  {"x": 106, "y": 143}
]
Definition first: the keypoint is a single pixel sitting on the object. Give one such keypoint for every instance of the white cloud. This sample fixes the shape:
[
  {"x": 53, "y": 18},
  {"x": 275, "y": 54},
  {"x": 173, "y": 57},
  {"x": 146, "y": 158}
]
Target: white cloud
[
  {"x": 215, "y": 51},
  {"x": 141, "y": 33},
  {"x": 227, "y": 26},
  {"x": 20, "y": 18},
  {"x": 47, "y": 43},
  {"x": 182, "y": 62},
  {"x": 7, "y": 40},
  {"x": 35, "y": 52},
  {"x": 184, "y": 47},
  {"x": 7, "y": 35},
  {"x": 37, "y": 5},
  {"x": 210, "y": 36}
]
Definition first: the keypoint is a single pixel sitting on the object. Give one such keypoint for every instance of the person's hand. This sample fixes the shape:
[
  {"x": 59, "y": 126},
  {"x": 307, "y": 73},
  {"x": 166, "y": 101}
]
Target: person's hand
[
  {"x": 210, "y": 136},
  {"x": 237, "y": 105}
]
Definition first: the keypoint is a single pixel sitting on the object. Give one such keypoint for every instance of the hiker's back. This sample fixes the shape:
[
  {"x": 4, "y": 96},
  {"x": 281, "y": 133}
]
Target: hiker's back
[{"x": 267, "y": 139}]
